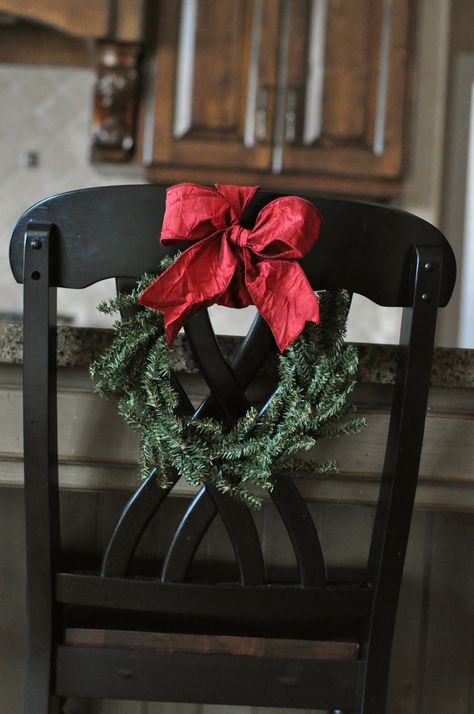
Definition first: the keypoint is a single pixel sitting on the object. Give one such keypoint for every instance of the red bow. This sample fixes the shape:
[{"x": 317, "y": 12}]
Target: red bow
[{"x": 232, "y": 265}]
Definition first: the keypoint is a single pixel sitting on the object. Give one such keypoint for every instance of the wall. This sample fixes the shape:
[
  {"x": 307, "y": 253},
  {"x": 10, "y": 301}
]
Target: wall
[
  {"x": 454, "y": 207},
  {"x": 46, "y": 110}
]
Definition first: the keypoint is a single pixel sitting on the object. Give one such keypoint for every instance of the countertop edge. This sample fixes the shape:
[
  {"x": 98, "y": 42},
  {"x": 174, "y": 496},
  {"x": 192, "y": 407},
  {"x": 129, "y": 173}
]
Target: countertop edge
[{"x": 79, "y": 346}]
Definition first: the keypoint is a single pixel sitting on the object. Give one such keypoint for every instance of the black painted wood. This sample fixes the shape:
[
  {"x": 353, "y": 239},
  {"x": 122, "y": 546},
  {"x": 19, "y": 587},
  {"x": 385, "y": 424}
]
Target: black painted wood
[
  {"x": 124, "y": 674},
  {"x": 93, "y": 242},
  {"x": 135, "y": 517},
  {"x": 187, "y": 537},
  {"x": 221, "y": 380},
  {"x": 85, "y": 236},
  {"x": 142, "y": 506},
  {"x": 249, "y": 359},
  {"x": 126, "y": 285},
  {"x": 271, "y": 607},
  {"x": 402, "y": 458},
  {"x": 363, "y": 247},
  {"x": 40, "y": 463},
  {"x": 302, "y": 531},
  {"x": 243, "y": 536}
]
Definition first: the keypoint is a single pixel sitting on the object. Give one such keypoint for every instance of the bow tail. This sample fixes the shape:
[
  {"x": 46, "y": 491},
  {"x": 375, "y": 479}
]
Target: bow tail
[
  {"x": 196, "y": 279},
  {"x": 283, "y": 296}
]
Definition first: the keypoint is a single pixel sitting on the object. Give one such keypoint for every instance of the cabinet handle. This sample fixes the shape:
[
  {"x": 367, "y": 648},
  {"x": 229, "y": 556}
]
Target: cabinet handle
[
  {"x": 261, "y": 114},
  {"x": 290, "y": 116}
]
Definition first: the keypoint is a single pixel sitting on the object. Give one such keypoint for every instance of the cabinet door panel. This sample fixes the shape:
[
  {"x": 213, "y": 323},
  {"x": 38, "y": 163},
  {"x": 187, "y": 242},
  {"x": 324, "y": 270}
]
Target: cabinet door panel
[
  {"x": 218, "y": 67},
  {"x": 350, "y": 121},
  {"x": 348, "y": 69},
  {"x": 215, "y": 72}
]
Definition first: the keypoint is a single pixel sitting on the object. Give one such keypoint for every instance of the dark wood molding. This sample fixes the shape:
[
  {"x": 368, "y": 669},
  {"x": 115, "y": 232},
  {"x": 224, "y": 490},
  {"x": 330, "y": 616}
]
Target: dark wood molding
[
  {"x": 31, "y": 43},
  {"x": 115, "y": 101},
  {"x": 347, "y": 186},
  {"x": 94, "y": 19}
]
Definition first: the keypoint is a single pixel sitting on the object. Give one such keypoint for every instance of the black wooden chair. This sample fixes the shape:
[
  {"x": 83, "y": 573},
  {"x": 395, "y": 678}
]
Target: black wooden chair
[{"x": 311, "y": 644}]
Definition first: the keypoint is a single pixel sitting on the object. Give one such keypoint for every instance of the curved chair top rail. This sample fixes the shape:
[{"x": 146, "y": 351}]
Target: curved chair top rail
[{"x": 365, "y": 248}]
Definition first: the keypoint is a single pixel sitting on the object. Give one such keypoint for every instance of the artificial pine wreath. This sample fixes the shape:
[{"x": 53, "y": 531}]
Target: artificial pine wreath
[
  {"x": 316, "y": 375},
  {"x": 233, "y": 264}
]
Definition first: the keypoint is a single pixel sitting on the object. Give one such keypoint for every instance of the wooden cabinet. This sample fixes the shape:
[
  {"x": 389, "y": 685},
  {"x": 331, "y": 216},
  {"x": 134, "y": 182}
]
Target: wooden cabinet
[
  {"x": 216, "y": 69},
  {"x": 287, "y": 94},
  {"x": 306, "y": 94},
  {"x": 92, "y": 19}
]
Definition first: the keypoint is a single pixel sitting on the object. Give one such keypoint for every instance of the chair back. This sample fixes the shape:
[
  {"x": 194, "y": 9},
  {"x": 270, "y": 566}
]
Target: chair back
[{"x": 397, "y": 260}]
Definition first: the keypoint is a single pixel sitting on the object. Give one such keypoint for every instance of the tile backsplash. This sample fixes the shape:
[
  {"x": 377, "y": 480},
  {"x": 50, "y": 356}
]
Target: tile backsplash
[{"x": 44, "y": 149}]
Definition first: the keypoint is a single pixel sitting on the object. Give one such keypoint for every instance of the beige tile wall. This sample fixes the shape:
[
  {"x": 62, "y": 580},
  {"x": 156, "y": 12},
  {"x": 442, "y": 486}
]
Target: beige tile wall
[{"x": 46, "y": 110}]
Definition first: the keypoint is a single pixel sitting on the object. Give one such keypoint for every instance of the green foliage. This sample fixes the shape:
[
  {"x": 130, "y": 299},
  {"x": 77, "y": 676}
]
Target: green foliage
[{"x": 316, "y": 376}]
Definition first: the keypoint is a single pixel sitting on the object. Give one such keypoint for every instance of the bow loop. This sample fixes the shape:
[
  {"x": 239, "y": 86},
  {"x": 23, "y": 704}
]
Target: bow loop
[
  {"x": 235, "y": 266},
  {"x": 286, "y": 228},
  {"x": 195, "y": 212}
]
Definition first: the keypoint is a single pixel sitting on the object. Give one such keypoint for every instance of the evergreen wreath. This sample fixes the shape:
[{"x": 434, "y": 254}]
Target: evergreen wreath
[{"x": 316, "y": 376}]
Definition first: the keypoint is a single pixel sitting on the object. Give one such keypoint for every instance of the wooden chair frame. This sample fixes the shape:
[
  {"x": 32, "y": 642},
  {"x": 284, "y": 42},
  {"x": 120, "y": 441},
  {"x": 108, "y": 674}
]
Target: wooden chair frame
[{"x": 78, "y": 238}]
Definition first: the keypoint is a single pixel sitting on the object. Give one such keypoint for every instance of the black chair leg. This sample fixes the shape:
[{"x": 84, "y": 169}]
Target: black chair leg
[
  {"x": 40, "y": 702},
  {"x": 71, "y": 705},
  {"x": 35, "y": 704},
  {"x": 38, "y": 697}
]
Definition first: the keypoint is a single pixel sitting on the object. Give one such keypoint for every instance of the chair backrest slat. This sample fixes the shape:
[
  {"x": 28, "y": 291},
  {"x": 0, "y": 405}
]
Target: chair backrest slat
[
  {"x": 362, "y": 247},
  {"x": 227, "y": 393},
  {"x": 302, "y": 531}
]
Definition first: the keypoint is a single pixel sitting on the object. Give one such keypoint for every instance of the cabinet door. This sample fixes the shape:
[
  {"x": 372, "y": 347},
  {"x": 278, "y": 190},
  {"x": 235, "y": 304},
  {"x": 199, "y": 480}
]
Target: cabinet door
[
  {"x": 345, "y": 101},
  {"x": 214, "y": 85}
]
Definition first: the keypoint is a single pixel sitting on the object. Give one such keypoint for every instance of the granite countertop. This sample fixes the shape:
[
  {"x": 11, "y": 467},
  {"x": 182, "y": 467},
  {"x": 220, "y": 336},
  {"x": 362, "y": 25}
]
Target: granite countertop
[{"x": 78, "y": 346}]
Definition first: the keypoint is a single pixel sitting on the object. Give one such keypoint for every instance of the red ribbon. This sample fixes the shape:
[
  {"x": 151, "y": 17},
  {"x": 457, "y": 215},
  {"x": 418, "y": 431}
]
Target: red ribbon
[{"x": 233, "y": 266}]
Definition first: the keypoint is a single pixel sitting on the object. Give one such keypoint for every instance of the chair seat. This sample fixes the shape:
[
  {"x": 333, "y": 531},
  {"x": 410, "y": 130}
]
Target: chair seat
[{"x": 212, "y": 644}]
